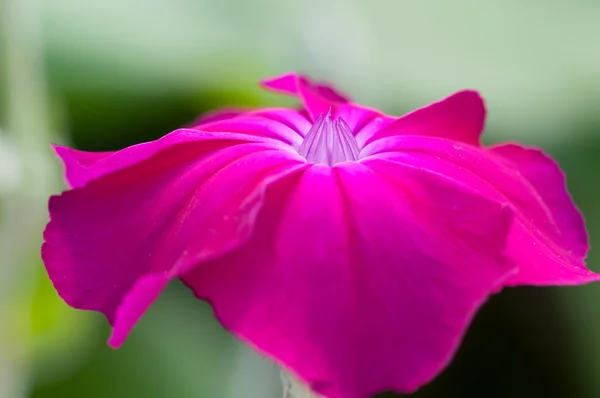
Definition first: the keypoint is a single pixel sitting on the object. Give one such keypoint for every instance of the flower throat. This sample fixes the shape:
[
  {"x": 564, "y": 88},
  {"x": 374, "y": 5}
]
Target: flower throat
[{"x": 329, "y": 141}]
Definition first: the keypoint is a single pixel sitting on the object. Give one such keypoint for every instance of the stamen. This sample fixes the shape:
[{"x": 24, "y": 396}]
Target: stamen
[{"x": 330, "y": 142}]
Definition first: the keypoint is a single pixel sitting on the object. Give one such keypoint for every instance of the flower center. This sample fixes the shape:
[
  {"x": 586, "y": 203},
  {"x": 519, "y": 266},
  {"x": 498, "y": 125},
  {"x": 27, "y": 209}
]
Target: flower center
[{"x": 329, "y": 141}]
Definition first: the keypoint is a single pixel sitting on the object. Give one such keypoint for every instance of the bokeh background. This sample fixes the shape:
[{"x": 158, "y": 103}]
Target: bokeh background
[{"x": 100, "y": 75}]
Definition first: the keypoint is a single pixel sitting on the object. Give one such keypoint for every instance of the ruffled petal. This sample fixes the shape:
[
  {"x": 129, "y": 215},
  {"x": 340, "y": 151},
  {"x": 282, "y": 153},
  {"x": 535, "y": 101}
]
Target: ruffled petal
[
  {"x": 77, "y": 163},
  {"x": 259, "y": 126},
  {"x": 113, "y": 244},
  {"x": 316, "y": 98},
  {"x": 292, "y": 118},
  {"x": 270, "y": 122},
  {"x": 363, "y": 122},
  {"x": 548, "y": 181},
  {"x": 218, "y": 115},
  {"x": 547, "y": 240},
  {"x": 459, "y": 117},
  {"x": 361, "y": 290},
  {"x": 82, "y": 167}
]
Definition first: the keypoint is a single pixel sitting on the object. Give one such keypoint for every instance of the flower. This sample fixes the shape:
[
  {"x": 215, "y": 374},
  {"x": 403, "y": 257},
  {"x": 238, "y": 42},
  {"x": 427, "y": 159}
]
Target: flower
[{"x": 351, "y": 247}]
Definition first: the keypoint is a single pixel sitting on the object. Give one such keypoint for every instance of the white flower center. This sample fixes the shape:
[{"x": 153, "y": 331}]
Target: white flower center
[{"x": 329, "y": 141}]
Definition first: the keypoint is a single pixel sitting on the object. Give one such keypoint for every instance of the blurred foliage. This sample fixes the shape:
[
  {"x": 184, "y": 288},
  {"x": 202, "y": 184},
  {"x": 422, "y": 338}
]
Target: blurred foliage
[
  {"x": 123, "y": 72},
  {"x": 178, "y": 350}
]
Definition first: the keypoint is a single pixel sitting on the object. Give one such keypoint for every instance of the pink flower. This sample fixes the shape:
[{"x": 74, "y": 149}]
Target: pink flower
[{"x": 351, "y": 247}]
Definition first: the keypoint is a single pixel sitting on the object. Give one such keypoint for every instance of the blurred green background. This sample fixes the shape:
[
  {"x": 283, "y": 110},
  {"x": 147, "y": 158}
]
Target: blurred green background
[{"x": 100, "y": 75}]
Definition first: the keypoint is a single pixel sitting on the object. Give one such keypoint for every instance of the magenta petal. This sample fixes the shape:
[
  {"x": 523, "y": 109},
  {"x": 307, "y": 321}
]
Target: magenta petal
[
  {"x": 138, "y": 299},
  {"x": 459, "y": 117},
  {"x": 316, "y": 98},
  {"x": 77, "y": 163},
  {"x": 548, "y": 182},
  {"x": 82, "y": 167},
  {"x": 113, "y": 244},
  {"x": 363, "y": 122},
  {"x": 219, "y": 114},
  {"x": 546, "y": 241},
  {"x": 361, "y": 290},
  {"x": 258, "y": 126},
  {"x": 294, "y": 119}
]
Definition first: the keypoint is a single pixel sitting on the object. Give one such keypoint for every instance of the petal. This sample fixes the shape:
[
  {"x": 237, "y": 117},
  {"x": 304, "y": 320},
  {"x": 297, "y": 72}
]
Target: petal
[
  {"x": 316, "y": 98},
  {"x": 548, "y": 181},
  {"x": 357, "y": 290},
  {"x": 363, "y": 122},
  {"x": 249, "y": 122},
  {"x": 258, "y": 126},
  {"x": 292, "y": 118},
  {"x": 546, "y": 239},
  {"x": 82, "y": 167},
  {"x": 459, "y": 117},
  {"x": 219, "y": 114},
  {"x": 77, "y": 163},
  {"x": 112, "y": 245}
]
